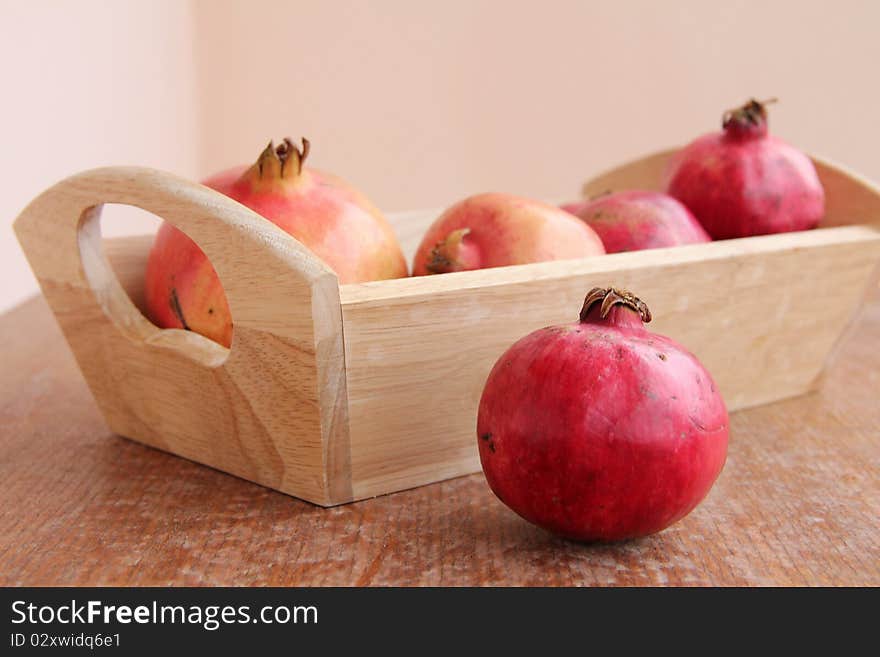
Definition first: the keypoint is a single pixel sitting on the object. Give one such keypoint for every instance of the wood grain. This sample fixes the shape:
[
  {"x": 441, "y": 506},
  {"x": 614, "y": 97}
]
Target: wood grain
[
  {"x": 271, "y": 409},
  {"x": 797, "y": 503}
]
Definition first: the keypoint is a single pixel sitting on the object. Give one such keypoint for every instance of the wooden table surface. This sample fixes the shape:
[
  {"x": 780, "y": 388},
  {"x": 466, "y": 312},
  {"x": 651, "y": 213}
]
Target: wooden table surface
[{"x": 797, "y": 504}]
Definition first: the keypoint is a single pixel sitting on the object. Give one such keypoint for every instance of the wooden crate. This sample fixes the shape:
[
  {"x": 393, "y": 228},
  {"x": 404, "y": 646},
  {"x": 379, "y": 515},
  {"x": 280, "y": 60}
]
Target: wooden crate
[{"x": 335, "y": 393}]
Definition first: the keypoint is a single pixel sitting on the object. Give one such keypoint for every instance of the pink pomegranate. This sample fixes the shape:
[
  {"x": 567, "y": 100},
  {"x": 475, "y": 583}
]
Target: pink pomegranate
[
  {"x": 494, "y": 230},
  {"x": 601, "y": 430},
  {"x": 333, "y": 220},
  {"x": 742, "y": 181},
  {"x": 635, "y": 220}
]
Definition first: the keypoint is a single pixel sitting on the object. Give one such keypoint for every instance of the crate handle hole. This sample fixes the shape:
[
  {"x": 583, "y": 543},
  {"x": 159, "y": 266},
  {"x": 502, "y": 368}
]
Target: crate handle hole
[{"x": 116, "y": 272}]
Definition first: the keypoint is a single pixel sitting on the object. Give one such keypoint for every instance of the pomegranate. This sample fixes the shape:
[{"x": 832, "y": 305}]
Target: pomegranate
[
  {"x": 333, "y": 220},
  {"x": 742, "y": 181},
  {"x": 494, "y": 230},
  {"x": 635, "y": 220},
  {"x": 601, "y": 430}
]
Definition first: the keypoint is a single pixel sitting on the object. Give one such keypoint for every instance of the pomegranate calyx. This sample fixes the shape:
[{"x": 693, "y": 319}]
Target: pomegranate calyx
[
  {"x": 282, "y": 162},
  {"x": 611, "y": 297},
  {"x": 444, "y": 256},
  {"x": 748, "y": 120}
]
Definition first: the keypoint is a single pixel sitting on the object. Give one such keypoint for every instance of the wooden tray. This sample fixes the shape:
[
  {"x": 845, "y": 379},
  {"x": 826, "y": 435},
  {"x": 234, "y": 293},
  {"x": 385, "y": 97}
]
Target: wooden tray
[{"x": 335, "y": 393}]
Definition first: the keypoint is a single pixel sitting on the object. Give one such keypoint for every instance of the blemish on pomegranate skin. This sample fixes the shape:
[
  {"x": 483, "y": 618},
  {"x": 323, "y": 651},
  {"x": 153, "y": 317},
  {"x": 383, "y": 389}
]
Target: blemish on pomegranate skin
[
  {"x": 488, "y": 438},
  {"x": 177, "y": 310},
  {"x": 661, "y": 356}
]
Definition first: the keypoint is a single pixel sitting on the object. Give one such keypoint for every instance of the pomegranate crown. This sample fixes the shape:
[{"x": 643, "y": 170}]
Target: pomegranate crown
[
  {"x": 611, "y": 297},
  {"x": 444, "y": 255},
  {"x": 284, "y": 161},
  {"x": 749, "y": 119}
]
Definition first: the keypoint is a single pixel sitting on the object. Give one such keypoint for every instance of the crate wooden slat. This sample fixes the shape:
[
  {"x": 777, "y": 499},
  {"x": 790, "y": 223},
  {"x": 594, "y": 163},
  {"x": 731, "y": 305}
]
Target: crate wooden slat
[{"x": 334, "y": 393}]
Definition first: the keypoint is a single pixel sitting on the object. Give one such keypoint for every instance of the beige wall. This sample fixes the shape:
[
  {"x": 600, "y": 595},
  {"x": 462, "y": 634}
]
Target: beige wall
[
  {"x": 420, "y": 103},
  {"x": 88, "y": 83}
]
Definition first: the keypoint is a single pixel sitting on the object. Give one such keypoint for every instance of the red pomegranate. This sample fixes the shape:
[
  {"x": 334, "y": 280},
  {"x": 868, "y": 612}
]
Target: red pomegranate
[
  {"x": 333, "y": 220},
  {"x": 601, "y": 430},
  {"x": 635, "y": 220},
  {"x": 494, "y": 230},
  {"x": 743, "y": 181}
]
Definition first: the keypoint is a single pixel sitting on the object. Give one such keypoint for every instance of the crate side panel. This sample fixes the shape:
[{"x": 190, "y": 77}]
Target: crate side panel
[{"x": 763, "y": 323}]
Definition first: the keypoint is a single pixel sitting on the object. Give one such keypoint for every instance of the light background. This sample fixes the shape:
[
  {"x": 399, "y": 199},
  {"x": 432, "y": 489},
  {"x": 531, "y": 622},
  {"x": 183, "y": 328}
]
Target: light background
[{"x": 416, "y": 103}]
